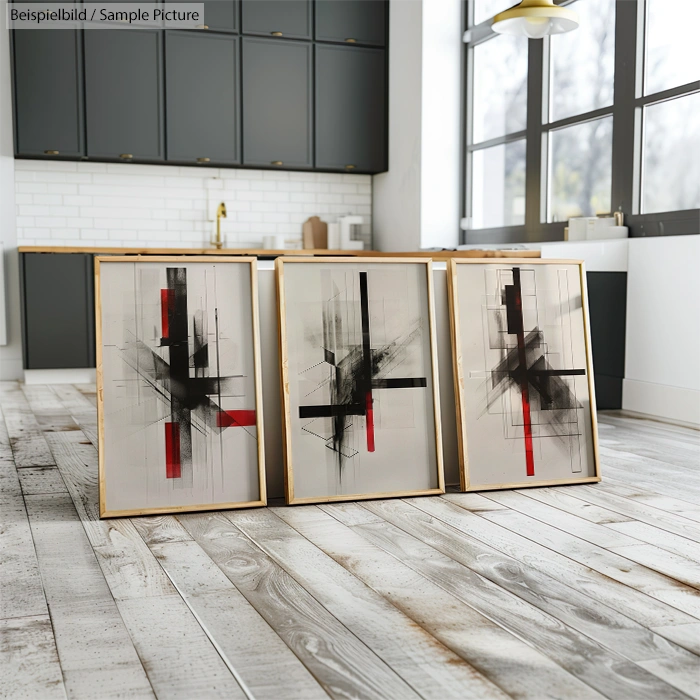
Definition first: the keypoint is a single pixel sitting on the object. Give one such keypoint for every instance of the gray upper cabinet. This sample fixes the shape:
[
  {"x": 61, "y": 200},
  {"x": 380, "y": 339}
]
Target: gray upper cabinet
[
  {"x": 202, "y": 100},
  {"x": 350, "y": 109},
  {"x": 124, "y": 94},
  {"x": 48, "y": 82},
  {"x": 352, "y": 21},
  {"x": 221, "y": 15},
  {"x": 280, "y": 18},
  {"x": 277, "y": 103}
]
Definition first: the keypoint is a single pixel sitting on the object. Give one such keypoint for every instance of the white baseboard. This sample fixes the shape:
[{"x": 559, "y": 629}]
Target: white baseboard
[
  {"x": 668, "y": 402},
  {"x": 60, "y": 376}
]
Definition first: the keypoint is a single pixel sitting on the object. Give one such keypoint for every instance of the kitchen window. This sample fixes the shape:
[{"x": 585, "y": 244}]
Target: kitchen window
[{"x": 597, "y": 120}]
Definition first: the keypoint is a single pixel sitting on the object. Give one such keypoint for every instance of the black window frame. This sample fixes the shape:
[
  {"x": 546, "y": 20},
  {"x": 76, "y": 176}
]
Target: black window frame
[{"x": 627, "y": 134}]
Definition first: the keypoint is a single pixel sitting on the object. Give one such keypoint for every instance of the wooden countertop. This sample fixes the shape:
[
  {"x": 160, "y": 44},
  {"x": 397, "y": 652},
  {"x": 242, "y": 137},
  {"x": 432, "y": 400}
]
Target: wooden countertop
[{"x": 255, "y": 252}]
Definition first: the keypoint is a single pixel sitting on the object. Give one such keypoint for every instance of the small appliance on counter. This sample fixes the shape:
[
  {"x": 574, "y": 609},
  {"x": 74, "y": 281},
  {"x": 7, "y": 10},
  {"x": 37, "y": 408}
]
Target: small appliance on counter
[{"x": 596, "y": 228}]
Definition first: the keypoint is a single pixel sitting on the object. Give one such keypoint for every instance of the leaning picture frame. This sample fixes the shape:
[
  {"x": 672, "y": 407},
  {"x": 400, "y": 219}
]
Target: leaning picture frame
[
  {"x": 350, "y": 331},
  {"x": 179, "y": 389},
  {"x": 523, "y": 373}
]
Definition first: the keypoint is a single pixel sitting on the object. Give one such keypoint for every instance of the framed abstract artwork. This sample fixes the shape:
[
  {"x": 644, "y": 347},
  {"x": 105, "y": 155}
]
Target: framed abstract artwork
[
  {"x": 359, "y": 379},
  {"x": 178, "y": 384},
  {"x": 523, "y": 373}
]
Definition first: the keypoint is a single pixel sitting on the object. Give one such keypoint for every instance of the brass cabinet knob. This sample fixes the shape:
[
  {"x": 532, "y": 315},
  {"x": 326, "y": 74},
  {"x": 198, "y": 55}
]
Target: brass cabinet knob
[
  {"x": 202, "y": 26},
  {"x": 51, "y": 153},
  {"x": 126, "y": 156},
  {"x": 276, "y": 162},
  {"x": 203, "y": 160},
  {"x": 351, "y": 41},
  {"x": 349, "y": 167},
  {"x": 276, "y": 33}
]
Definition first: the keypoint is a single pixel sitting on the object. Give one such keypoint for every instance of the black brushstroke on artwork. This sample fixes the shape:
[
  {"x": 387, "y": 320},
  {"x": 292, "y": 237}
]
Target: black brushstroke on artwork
[
  {"x": 353, "y": 378},
  {"x": 526, "y": 365}
]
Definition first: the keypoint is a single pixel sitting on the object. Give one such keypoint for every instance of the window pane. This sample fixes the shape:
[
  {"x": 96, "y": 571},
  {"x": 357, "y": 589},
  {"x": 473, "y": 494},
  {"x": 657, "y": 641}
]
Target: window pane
[
  {"x": 673, "y": 56},
  {"x": 485, "y": 9},
  {"x": 498, "y": 186},
  {"x": 580, "y": 167},
  {"x": 583, "y": 61},
  {"x": 500, "y": 87},
  {"x": 671, "y": 165}
]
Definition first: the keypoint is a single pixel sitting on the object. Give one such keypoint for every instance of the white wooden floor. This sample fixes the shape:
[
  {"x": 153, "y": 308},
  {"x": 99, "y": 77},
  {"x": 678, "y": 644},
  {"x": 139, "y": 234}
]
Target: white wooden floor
[{"x": 570, "y": 592}]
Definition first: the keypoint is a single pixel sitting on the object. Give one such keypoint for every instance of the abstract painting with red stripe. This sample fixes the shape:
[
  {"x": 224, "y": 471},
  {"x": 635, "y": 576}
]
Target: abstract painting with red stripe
[
  {"x": 526, "y": 400},
  {"x": 179, "y": 388},
  {"x": 362, "y": 389}
]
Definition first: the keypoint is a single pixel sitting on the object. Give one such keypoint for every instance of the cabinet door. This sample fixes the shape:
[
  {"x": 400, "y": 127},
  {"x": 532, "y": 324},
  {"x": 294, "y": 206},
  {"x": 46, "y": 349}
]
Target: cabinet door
[
  {"x": 221, "y": 15},
  {"x": 124, "y": 93},
  {"x": 350, "y": 109},
  {"x": 202, "y": 97},
  {"x": 58, "y": 307},
  {"x": 352, "y": 21},
  {"x": 48, "y": 84},
  {"x": 287, "y": 18},
  {"x": 277, "y": 103}
]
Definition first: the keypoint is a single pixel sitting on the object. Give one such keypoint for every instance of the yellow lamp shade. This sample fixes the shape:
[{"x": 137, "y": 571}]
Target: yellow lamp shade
[{"x": 535, "y": 19}]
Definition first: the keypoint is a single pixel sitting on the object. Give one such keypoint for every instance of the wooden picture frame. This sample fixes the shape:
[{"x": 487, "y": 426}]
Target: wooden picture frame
[
  {"x": 251, "y": 263},
  {"x": 289, "y": 474},
  {"x": 456, "y": 332}
]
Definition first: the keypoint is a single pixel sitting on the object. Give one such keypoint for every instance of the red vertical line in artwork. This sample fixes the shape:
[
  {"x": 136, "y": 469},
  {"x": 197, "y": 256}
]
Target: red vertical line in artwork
[
  {"x": 522, "y": 360},
  {"x": 166, "y": 304},
  {"x": 366, "y": 376},
  {"x": 226, "y": 419},
  {"x": 172, "y": 450}
]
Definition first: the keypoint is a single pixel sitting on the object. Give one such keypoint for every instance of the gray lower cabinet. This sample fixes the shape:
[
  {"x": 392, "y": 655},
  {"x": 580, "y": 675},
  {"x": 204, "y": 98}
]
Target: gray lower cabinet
[
  {"x": 58, "y": 310},
  {"x": 219, "y": 15},
  {"x": 350, "y": 90},
  {"x": 202, "y": 97},
  {"x": 124, "y": 94},
  {"x": 48, "y": 79},
  {"x": 277, "y": 103},
  {"x": 283, "y": 18},
  {"x": 352, "y": 21}
]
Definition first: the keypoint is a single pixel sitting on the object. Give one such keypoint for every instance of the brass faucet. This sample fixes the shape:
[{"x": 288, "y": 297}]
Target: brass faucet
[{"x": 220, "y": 211}]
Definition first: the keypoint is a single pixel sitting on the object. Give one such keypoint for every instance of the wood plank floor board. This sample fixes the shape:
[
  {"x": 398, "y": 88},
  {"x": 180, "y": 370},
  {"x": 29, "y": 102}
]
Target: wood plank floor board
[
  {"x": 635, "y": 604},
  {"x": 658, "y": 502},
  {"x": 29, "y": 666},
  {"x": 509, "y": 662},
  {"x": 36, "y": 480},
  {"x": 87, "y": 422},
  {"x": 647, "y": 555},
  {"x": 159, "y": 529},
  {"x": 431, "y": 669},
  {"x": 224, "y": 612},
  {"x": 130, "y": 568},
  {"x": 73, "y": 400},
  {"x": 616, "y": 567},
  {"x": 686, "y": 636},
  {"x": 629, "y": 510},
  {"x": 26, "y": 438},
  {"x": 345, "y": 667},
  {"x": 603, "y": 669},
  {"x": 94, "y": 647},
  {"x": 179, "y": 658},
  {"x": 662, "y": 539}
]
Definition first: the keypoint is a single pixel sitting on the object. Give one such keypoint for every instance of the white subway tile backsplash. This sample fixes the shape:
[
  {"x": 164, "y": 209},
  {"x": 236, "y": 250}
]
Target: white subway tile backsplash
[{"x": 124, "y": 204}]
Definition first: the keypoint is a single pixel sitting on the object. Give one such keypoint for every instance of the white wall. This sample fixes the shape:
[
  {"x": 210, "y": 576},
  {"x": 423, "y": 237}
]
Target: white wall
[
  {"x": 416, "y": 203},
  {"x": 125, "y": 204},
  {"x": 662, "y": 347},
  {"x": 10, "y": 354}
]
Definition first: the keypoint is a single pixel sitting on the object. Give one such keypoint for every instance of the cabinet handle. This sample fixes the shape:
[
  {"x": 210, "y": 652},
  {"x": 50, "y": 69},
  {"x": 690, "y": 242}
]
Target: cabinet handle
[
  {"x": 51, "y": 153},
  {"x": 351, "y": 41},
  {"x": 349, "y": 167},
  {"x": 202, "y": 26},
  {"x": 126, "y": 156},
  {"x": 203, "y": 160},
  {"x": 276, "y": 162},
  {"x": 276, "y": 33}
]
